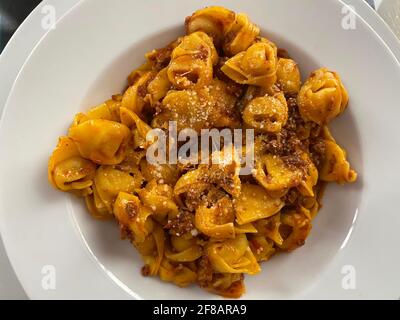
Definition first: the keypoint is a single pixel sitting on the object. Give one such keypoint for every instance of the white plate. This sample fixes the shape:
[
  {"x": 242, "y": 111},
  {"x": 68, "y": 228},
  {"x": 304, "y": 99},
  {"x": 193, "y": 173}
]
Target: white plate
[
  {"x": 87, "y": 57},
  {"x": 11, "y": 60}
]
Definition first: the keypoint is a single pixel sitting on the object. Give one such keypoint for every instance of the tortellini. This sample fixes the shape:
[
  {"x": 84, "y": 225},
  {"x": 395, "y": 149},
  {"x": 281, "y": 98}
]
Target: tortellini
[
  {"x": 233, "y": 256},
  {"x": 159, "y": 198},
  {"x": 322, "y": 97},
  {"x": 208, "y": 183},
  {"x": 133, "y": 216},
  {"x": 102, "y": 141},
  {"x": 295, "y": 227},
  {"x": 254, "y": 203},
  {"x": 110, "y": 181},
  {"x": 288, "y": 76},
  {"x": 335, "y": 167},
  {"x": 183, "y": 250},
  {"x": 192, "y": 62},
  {"x": 240, "y": 35},
  {"x": 211, "y": 216},
  {"x": 214, "y": 21},
  {"x": 217, "y": 221},
  {"x": 266, "y": 114},
  {"x": 190, "y": 187},
  {"x": 255, "y": 66},
  {"x": 134, "y": 97},
  {"x": 68, "y": 171},
  {"x": 204, "y": 108},
  {"x": 272, "y": 173},
  {"x": 234, "y": 32},
  {"x": 179, "y": 274}
]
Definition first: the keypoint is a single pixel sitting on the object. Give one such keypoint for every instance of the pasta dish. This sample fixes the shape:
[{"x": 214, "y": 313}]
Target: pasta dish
[{"x": 207, "y": 222}]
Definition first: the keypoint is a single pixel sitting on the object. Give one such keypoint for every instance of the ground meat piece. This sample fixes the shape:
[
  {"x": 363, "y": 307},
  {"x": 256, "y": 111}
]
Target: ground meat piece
[
  {"x": 125, "y": 232},
  {"x": 317, "y": 151},
  {"x": 294, "y": 161},
  {"x": 282, "y": 53},
  {"x": 193, "y": 198},
  {"x": 292, "y": 196},
  {"x": 295, "y": 119},
  {"x": 202, "y": 54},
  {"x": 142, "y": 90},
  {"x": 145, "y": 270},
  {"x": 160, "y": 58},
  {"x": 183, "y": 223},
  {"x": 285, "y": 143},
  {"x": 131, "y": 210},
  {"x": 205, "y": 272}
]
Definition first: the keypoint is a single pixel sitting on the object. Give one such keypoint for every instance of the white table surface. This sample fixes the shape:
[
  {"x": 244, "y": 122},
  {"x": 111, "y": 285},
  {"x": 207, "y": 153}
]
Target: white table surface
[{"x": 20, "y": 47}]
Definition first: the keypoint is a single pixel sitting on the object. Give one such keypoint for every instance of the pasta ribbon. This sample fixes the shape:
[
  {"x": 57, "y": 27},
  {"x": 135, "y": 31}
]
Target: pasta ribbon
[
  {"x": 254, "y": 204},
  {"x": 322, "y": 97},
  {"x": 137, "y": 73},
  {"x": 102, "y": 141}
]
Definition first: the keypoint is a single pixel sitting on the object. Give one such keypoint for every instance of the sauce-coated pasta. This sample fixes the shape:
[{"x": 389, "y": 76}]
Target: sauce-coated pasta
[{"x": 206, "y": 223}]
